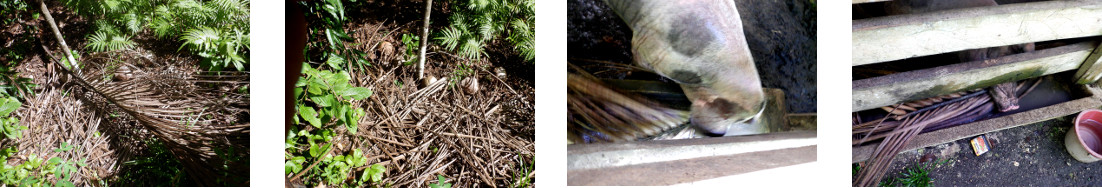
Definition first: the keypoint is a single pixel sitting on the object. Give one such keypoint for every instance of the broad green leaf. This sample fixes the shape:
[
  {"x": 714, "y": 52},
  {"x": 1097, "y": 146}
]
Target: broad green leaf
[
  {"x": 309, "y": 115},
  {"x": 316, "y": 87},
  {"x": 298, "y": 93},
  {"x": 360, "y": 160},
  {"x": 64, "y": 183},
  {"x": 53, "y": 161},
  {"x": 8, "y": 105},
  {"x": 294, "y": 165},
  {"x": 356, "y": 93},
  {"x": 376, "y": 172},
  {"x": 315, "y": 150},
  {"x": 335, "y": 61},
  {"x": 324, "y": 100}
]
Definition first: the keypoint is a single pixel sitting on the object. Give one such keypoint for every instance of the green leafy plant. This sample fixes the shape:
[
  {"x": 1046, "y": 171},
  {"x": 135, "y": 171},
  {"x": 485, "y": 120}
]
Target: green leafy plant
[
  {"x": 374, "y": 174},
  {"x": 440, "y": 183},
  {"x": 11, "y": 128},
  {"x": 329, "y": 15},
  {"x": 35, "y": 171},
  {"x": 477, "y": 23},
  {"x": 325, "y": 104},
  {"x": 107, "y": 38},
  {"x": 332, "y": 94},
  {"x": 460, "y": 72},
  {"x": 158, "y": 168},
  {"x": 14, "y": 84},
  {"x": 412, "y": 43}
]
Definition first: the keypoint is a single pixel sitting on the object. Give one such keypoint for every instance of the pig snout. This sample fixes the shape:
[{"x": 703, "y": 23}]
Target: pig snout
[{"x": 714, "y": 114}]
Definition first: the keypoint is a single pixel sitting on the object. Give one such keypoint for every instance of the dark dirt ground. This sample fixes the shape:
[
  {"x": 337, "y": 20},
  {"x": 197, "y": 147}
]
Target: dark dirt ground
[
  {"x": 1028, "y": 155},
  {"x": 780, "y": 34}
]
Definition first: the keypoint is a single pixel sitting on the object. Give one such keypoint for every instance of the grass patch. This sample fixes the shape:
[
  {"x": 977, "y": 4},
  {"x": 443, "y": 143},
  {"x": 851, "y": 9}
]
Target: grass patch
[{"x": 913, "y": 176}]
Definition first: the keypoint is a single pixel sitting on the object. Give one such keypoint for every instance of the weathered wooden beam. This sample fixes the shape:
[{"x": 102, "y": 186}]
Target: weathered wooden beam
[
  {"x": 1091, "y": 69},
  {"x": 898, "y": 37},
  {"x": 901, "y": 87},
  {"x": 667, "y": 162},
  {"x": 861, "y": 153}
]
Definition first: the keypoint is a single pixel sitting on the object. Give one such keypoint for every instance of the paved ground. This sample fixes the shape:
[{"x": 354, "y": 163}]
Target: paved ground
[{"x": 1028, "y": 155}]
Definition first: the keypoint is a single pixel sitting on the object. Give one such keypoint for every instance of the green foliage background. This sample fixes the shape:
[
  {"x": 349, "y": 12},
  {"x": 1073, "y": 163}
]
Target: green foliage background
[
  {"x": 476, "y": 23},
  {"x": 217, "y": 30}
]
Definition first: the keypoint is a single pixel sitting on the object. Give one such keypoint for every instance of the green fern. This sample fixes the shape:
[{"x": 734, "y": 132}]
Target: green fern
[
  {"x": 449, "y": 38},
  {"x": 480, "y": 22},
  {"x": 201, "y": 39},
  {"x": 216, "y": 30},
  {"x": 106, "y": 41}
]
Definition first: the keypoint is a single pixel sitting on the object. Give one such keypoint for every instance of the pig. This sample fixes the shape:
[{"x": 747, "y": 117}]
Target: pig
[{"x": 700, "y": 45}]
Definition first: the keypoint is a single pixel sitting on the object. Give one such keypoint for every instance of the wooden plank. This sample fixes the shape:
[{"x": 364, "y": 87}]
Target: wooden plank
[
  {"x": 1091, "y": 69},
  {"x": 904, "y": 36},
  {"x": 861, "y": 153},
  {"x": 644, "y": 162},
  {"x": 694, "y": 170},
  {"x": 900, "y": 87}
]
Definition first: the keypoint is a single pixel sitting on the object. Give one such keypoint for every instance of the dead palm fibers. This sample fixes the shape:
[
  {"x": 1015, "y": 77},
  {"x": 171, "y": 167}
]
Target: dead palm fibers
[
  {"x": 894, "y": 135},
  {"x": 472, "y": 139},
  {"x": 200, "y": 116},
  {"x": 54, "y": 120},
  {"x": 597, "y": 113}
]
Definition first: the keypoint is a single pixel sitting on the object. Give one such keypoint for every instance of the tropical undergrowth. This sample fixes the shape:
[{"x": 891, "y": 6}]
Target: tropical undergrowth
[
  {"x": 325, "y": 113},
  {"x": 475, "y": 24},
  {"x": 157, "y": 168},
  {"x": 35, "y": 169},
  {"x": 216, "y": 30},
  {"x": 328, "y": 25},
  {"x": 323, "y": 102}
]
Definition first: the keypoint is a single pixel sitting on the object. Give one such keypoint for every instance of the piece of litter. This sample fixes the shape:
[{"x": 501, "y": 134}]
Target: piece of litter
[
  {"x": 1015, "y": 163},
  {"x": 980, "y": 145}
]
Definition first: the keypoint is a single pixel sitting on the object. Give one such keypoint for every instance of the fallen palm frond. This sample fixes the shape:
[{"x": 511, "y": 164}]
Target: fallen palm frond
[
  {"x": 597, "y": 113},
  {"x": 894, "y": 135},
  {"x": 194, "y": 113}
]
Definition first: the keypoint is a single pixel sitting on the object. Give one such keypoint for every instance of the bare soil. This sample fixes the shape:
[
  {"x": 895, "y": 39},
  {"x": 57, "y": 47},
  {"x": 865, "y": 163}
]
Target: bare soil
[{"x": 1028, "y": 155}]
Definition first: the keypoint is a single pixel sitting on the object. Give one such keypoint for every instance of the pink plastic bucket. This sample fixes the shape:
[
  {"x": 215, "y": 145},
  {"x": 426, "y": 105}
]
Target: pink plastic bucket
[{"x": 1084, "y": 141}]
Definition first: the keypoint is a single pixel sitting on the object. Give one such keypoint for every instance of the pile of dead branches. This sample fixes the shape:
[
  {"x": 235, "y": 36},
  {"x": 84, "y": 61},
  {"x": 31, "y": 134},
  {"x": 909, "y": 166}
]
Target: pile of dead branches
[{"x": 474, "y": 136}]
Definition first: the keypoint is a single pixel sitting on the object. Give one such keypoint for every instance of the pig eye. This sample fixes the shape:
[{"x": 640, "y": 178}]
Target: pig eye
[{"x": 685, "y": 77}]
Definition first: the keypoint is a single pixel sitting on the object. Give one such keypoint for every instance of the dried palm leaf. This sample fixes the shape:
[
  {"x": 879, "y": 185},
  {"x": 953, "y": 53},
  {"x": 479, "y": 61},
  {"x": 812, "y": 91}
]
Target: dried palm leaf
[{"x": 600, "y": 114}]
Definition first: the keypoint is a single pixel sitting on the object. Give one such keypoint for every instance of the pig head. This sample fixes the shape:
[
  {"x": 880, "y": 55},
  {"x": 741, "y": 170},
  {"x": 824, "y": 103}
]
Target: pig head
[{"x": 700, "y": 45}]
